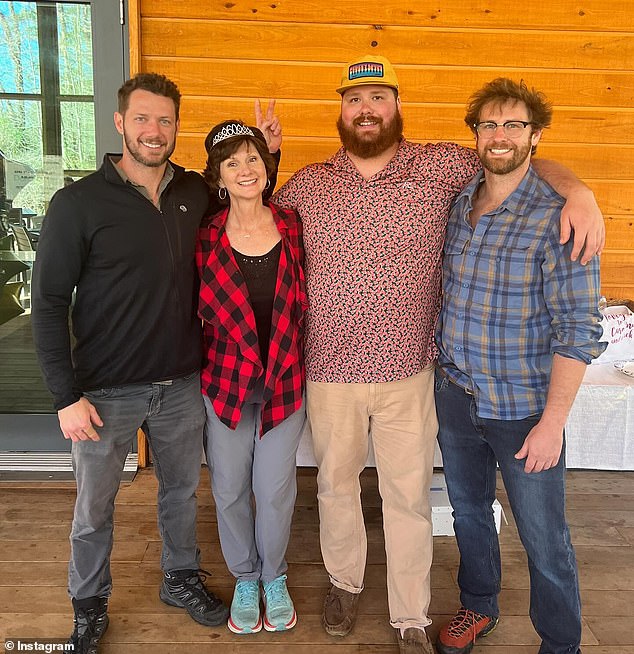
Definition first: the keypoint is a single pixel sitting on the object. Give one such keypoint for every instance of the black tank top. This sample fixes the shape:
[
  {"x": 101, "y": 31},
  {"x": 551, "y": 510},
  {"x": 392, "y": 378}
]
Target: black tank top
[{"x": 260, "y": 276}]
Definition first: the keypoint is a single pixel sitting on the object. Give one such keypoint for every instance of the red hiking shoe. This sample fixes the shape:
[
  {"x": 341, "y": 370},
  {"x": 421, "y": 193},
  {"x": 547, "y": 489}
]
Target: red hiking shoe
[{"x": 459, "y": 635}]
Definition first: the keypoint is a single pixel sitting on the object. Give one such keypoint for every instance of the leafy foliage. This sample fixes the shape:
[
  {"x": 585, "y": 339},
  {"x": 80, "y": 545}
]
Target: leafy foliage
[{"x": 21, "y": 119}]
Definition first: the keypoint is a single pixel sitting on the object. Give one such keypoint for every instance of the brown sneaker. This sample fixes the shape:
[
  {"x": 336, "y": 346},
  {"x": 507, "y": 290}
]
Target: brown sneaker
[
  {"x": 413, "y": 641},
  {"x": 340, "y": 611}
]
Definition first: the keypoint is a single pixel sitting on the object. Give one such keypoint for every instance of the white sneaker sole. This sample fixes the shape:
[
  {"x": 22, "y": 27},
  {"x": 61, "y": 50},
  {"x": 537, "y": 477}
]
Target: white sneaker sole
[
  {"x": 281, "y": 627},
  {"x": 244, "y": 630}
]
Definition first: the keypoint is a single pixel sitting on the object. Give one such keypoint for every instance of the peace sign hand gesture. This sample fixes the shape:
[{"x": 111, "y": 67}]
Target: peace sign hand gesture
[{"x": 269, "y": 125}]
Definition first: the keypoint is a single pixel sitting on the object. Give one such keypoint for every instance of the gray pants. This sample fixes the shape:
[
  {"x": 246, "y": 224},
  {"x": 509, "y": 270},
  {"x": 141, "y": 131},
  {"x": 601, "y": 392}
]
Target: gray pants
[
  {"x": 244, "y": 466},
  {"x": 173, "y": 417}
]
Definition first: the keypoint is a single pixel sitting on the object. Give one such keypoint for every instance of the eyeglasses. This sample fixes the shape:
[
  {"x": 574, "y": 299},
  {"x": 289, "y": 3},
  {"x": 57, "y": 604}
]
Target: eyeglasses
[{"x": 512, "y": 128}]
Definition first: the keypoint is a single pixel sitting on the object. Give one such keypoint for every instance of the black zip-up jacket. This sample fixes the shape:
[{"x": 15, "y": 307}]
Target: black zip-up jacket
[{"x": 134, "y": 311}]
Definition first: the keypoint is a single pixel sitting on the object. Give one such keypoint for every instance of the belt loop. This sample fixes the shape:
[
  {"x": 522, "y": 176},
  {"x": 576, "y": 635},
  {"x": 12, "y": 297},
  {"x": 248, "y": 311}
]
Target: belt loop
[{"x": 444, "y": 375}]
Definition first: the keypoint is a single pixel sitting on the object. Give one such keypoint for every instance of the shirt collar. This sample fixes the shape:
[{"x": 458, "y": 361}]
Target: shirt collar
[
  {"x": 168, "y": 175},
  {"x": 342, "y": 162},
  {"x": 519, "y": 202}
]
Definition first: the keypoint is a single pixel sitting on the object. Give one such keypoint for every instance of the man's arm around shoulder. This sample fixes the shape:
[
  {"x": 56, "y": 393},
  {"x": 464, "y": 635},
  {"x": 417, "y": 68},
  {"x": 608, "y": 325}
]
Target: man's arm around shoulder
[{"x": 581, "y": 213}]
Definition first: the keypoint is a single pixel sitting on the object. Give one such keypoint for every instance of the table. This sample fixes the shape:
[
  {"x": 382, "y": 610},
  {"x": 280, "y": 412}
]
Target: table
[
  {"x": 13, "y": 263},
  {"x": 600, "y": 427}
]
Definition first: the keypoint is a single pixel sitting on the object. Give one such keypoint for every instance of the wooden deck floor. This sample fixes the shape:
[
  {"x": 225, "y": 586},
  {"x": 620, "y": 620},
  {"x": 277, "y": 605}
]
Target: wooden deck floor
[{"x": 34, "y": 526}]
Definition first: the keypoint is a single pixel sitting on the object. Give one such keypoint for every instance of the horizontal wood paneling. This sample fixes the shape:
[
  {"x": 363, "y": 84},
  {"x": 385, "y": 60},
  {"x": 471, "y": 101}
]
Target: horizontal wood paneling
[
  {"x": 621, "y": 292},
  {"x": 239, "y": 79},
  {"x": 614, "y": 15},
  {"x": 614, "y": 197},
  {"x": 433, "y": 121},
  {"x": 433, "y": 47},
  {"x": 619, "y": 231},
  {"x": 223, "y": 54},
  {"x": 617, "y": 273}
]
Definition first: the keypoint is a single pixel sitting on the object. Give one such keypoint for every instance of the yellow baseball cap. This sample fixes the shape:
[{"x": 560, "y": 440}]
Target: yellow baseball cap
[{"x": 369, "y": 69}]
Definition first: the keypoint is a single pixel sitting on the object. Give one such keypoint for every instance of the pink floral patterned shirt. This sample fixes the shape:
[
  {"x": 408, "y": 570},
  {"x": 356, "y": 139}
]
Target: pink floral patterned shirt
[{"x": 373, "y": 259}]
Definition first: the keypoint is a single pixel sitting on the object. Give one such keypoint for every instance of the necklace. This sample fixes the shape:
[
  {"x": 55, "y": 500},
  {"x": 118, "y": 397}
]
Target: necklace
[{"x": 243, "y": 233}]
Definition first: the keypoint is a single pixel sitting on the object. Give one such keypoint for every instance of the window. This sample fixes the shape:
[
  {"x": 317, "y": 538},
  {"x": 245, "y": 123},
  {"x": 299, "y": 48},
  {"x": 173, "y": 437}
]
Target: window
[
  {"x": 61, "y": 63},
  {"x": 47, "y": 95}
]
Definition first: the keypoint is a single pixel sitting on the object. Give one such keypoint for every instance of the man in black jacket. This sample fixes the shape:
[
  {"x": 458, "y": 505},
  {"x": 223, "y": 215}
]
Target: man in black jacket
[{"x": 122, "y": 240}]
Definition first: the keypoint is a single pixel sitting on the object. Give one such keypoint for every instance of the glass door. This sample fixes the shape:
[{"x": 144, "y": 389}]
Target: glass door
[{"x": 61, "y": 64}]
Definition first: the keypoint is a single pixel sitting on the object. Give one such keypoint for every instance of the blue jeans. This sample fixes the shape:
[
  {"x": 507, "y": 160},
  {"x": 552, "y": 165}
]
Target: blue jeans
[
  {"x": 471, "y": 447},
  {"x": 172, "y": 417}
]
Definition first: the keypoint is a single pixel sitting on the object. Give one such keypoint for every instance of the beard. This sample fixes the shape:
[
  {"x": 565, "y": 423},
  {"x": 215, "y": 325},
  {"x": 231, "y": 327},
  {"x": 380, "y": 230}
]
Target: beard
[
  {"x": 370, "y": 145},
  {"x": 505, "y": 166},
  {"x": 150, "y": 162}
]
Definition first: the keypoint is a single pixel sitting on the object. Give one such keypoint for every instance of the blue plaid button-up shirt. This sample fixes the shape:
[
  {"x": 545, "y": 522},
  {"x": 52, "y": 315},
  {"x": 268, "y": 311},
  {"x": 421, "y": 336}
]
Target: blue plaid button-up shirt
[{"x": 512, "y": 298}]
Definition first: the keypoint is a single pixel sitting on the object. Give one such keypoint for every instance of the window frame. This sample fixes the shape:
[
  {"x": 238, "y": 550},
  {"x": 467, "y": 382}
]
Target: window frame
[
  {"x": 35, "y": 432},
  {"x": 110, "y": 65}
]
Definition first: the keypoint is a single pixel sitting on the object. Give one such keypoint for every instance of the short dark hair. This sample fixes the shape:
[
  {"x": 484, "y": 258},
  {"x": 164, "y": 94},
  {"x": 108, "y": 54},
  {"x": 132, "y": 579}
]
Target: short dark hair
[
  {"x": 502, "y": 90},
  {"x": 216, "y": 154},
  {"x": 152, "y": 82}
]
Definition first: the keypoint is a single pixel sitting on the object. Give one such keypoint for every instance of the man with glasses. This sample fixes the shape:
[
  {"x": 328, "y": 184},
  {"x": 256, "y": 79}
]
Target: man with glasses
[{"x": 518, "y": 326}]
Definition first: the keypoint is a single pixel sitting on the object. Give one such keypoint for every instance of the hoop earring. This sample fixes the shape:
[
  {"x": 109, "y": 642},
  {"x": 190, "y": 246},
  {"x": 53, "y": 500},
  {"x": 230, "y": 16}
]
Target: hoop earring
[
  {"x": 268, "y": 183},
  {"x": 220, "y": 195}
]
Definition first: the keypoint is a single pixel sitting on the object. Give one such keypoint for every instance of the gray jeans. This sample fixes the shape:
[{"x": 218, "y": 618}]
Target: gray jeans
[
  {"x": 172, "y": 416},
  {"x": 243, "y": 468}
]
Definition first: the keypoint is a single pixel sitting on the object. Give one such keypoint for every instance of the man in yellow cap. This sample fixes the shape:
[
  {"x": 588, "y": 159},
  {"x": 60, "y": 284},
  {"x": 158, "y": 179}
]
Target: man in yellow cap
[{"x": 374, "y": 222}]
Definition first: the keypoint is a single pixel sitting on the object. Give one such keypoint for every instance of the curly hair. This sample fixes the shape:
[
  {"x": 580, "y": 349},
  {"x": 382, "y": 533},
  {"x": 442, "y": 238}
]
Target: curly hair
[
  {"x": 502, "y": 90},
  {"x": 152, "y": 82}
]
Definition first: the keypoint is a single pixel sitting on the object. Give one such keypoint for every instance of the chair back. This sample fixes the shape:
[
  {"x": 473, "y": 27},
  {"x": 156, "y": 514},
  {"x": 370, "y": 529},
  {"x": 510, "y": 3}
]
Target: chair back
[{"x": 22, "y": 239}]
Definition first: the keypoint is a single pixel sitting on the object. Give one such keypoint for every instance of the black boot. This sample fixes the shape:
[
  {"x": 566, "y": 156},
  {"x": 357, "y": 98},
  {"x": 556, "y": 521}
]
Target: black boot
[
  {"x": 91, "y": 622},
  {"x": 186, "y": 589}
]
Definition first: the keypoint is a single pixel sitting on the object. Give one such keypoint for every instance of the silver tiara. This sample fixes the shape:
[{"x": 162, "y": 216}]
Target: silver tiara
[{"x": 232, "y": 129}]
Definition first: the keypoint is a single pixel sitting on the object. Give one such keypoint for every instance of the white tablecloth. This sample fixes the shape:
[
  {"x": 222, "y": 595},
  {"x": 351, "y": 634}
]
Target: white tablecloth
[{"x": 600, "y": 427}]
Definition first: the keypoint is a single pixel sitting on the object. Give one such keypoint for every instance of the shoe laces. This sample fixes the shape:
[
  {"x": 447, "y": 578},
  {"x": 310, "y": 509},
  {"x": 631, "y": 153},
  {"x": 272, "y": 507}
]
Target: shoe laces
[
  {"x": 335, "y": 598},
  {"x": 463, "y": 622},
  {"x": 86, "y": 622},
  {"x": 247, "y": 592},
  {"x": 276, "y": 593},
  {"x": 193, "y": 582},
  {"x": 89, "y": 626}
]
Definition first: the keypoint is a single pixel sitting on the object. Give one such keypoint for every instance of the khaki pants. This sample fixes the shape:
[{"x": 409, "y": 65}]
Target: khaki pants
[{"x": 402, "y": 418}]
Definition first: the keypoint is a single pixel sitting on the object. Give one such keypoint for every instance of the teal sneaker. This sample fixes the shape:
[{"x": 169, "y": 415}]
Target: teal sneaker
[
  {"x": 245, "y": 608},
  {"x": 279, "y": 612}
]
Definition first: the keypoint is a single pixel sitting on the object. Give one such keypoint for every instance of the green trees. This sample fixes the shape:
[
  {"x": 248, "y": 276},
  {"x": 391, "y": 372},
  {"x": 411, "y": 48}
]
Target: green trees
[{"x": 46, "y": 94}]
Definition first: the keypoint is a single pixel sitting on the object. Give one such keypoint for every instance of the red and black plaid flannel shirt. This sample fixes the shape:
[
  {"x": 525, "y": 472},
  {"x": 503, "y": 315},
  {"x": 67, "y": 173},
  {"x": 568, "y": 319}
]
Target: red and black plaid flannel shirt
[{"x": 232, "y": 363}]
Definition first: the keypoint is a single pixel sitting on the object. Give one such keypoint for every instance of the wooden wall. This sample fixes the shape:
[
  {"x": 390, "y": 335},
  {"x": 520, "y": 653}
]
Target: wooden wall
[{"x": 225, "y": 53}]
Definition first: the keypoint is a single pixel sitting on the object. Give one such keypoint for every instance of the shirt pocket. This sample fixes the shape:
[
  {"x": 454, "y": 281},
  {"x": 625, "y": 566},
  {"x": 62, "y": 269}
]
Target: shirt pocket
[
  {"x": 456, "y": 246},
  {"x": 504, "y": 279},
  {"x": 453, "y": 261}
]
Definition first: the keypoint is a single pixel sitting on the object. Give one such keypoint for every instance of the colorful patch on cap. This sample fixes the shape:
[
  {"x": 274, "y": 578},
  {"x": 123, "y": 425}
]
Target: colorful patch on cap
[{"x": 365, "y": 69}]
